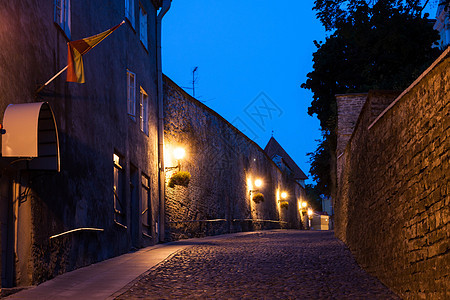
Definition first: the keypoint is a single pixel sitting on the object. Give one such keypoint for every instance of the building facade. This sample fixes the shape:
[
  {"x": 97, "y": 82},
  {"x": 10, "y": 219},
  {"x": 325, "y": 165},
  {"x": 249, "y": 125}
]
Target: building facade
[
  {"x": 104, "y": 199},
  {"x": 83, "y": 173}
]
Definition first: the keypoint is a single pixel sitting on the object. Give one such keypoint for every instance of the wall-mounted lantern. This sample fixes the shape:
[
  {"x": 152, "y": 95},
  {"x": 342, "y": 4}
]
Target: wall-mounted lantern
[
  {"x": 302, "y": 206},
  {"x": 310, "y": 216},
  {"x": 258, "y": 184},
  {"x": 283, "y": 201},
  {"x": 178, "y": 153}
]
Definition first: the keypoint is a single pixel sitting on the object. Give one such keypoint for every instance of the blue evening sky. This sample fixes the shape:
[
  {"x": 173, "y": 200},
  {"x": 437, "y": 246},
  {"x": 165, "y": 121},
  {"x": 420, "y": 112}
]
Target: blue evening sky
[
  {"x": 252, "y": 56},
  {"x": 242, "y": 49}
]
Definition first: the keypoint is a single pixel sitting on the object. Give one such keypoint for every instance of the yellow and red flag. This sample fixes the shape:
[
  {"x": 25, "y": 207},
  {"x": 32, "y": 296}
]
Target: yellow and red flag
[{"x": 76, "y": 50}]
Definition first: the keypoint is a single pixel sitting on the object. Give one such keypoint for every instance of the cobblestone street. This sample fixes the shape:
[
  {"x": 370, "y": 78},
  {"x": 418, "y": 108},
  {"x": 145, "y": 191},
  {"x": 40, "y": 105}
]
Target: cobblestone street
[{"x": 265, "y": 265}]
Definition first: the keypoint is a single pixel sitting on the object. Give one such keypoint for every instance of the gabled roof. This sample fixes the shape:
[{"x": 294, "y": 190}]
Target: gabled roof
[{"x": 274, "y": 148}]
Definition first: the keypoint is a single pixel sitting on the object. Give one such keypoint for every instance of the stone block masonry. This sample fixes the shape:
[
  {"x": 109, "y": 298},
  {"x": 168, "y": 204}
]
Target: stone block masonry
[
  {"x": 349, "y": 107},
  {"x": 393, "y": 206},
  {"x": 223, "y": 164}
]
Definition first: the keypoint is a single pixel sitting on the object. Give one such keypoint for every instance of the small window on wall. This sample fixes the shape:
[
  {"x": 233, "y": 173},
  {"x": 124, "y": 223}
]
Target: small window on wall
[
  {"x": 143, "y": 26},
  {"x": 143, "y": 114},
  {"x": 129, "y": 11},
  {"x": 62, "y": 15},
  {"x": 131, "y": 94},
  {"x": 119, "y": 198},
  {"x": 146, "y": 206}
]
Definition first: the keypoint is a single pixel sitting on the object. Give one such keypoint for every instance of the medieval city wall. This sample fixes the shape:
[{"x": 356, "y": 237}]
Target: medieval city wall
[
  {"x": 393, "y": 204},
  {"x": 223, "y": 164}
]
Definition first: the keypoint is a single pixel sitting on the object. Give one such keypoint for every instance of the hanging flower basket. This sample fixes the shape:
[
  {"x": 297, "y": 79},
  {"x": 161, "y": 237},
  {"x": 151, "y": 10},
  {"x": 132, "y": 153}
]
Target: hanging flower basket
[
  {"x": 284, "y": 204},
  {"x": 180, "y": 178},
  {"x": 258, "y": 198}
]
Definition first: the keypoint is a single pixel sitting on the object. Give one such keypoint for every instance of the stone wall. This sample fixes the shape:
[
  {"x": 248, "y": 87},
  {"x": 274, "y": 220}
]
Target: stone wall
[
  {"x": 393, "y": 204},
  {"x": 348, "y": 107},
  {"x": 223, "y": 164}
]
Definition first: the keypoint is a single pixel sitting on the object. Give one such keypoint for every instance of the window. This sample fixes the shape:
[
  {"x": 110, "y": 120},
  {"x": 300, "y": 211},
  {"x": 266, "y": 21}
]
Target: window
[
  {"x": 143, "y": 104},
  {"x": 143, "y": 26},
  {"x": 129, "y": 11},
  {"x": 119, "y": 204},
  {"x": 131, "y": 94},
  {"x": 145, "y": 206},
  {"x": 62, "y": 15}
]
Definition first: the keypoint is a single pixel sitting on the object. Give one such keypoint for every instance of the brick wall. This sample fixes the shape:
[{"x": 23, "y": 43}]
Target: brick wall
[
  {"x": 348, "y": 106},
  {"x": 392, "y": 208},
  {"x": 223, "y": 164}
]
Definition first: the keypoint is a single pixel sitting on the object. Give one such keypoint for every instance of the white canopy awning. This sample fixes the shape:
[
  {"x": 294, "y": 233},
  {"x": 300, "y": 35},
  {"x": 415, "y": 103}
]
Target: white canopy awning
[{"x": 31, "y": 132}]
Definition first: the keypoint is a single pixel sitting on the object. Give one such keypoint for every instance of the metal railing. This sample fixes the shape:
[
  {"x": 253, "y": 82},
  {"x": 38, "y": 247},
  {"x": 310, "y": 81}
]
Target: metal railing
[{"x": 76, "y": 230}]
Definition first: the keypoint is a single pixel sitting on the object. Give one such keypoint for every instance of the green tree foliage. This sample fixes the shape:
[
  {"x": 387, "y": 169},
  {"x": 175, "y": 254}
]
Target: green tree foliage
[
  {"x": 313, "y": 195},
  {"x": 382, "y": 45},
  {"x": 321, "y": 161}
]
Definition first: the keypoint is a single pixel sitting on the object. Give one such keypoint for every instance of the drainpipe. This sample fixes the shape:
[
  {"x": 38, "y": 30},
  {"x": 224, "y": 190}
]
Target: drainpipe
[{"x": 162, "y": 176}]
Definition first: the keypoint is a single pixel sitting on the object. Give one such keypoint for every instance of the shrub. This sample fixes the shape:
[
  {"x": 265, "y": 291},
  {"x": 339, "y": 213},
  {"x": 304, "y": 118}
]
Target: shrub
[
  {"x": 180, "y": 178},
  {"x": 258, "y": 197}
]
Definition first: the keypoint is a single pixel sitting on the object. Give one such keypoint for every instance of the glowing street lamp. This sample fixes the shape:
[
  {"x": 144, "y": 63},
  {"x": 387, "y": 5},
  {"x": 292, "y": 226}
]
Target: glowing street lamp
[
  {"x": 284, "y": 195},
  {"x": 310, "y": 216},
  {"x": 258, "y": 184},
  {"x": 178, "y": 153}
]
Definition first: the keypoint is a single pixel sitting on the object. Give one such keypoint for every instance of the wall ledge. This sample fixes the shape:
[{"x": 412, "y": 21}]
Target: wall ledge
[{"x": 425, "y": 73}]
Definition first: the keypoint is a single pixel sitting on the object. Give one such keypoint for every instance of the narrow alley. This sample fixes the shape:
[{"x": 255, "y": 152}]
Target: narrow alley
[{"x": 279, "y": 264}]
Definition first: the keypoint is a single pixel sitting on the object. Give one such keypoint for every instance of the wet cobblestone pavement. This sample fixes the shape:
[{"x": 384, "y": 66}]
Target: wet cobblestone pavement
[{"x": 265, "y": 265}]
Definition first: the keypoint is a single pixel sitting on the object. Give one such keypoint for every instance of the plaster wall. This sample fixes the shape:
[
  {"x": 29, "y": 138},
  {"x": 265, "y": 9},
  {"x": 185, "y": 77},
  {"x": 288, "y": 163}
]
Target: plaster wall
[{"x": 92, "y": 123}]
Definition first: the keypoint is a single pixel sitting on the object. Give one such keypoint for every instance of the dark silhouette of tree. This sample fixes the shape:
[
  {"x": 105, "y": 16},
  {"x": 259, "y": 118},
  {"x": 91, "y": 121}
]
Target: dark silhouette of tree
[
  {"x": 313, "y": 196},
  {"x": 382, "y": 45}
]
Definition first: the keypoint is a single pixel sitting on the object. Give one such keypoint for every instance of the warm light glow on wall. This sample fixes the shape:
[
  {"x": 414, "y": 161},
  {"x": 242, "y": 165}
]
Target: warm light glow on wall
[
  {"x": 249, "y": 183},
  {"x": 173, "y": 157},
  {"x": 258, "y": 183},
  {"x": 179, "y": 153},
  {"x": 284, "y": 195},
  {"x": 116, "y": 159}
]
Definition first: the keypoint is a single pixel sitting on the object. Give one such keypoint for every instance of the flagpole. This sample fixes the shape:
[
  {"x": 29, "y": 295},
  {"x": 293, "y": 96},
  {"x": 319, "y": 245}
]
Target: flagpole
[
  {"x": 51, "y": 79},
  {"x": 87, "y": 49},
  {"x": 65, "y": 68}
]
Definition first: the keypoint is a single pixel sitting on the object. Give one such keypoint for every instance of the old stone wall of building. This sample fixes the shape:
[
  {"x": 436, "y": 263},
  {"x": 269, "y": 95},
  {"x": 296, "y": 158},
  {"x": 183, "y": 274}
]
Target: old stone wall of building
[
  {"x": 393, "y": 204},
  {"x": 223, "y": 164},
  {"x": 93, "y": 124}
]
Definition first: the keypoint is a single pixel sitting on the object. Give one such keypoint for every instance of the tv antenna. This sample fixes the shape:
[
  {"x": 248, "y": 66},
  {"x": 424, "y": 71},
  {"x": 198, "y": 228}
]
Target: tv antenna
[{"x": 194, "y": 79}]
